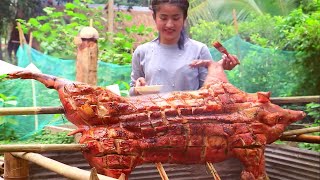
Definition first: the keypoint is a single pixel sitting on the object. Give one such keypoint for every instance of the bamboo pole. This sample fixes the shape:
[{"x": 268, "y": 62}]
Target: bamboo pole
[
  {"x": 15, "y": 168},
  {"x": 302, "y": 138},
  {"x": 94, "y": 174},
  {"x": 301, "y": 131},
  {"x": 91, "y": 23},
  {"x": 110, "y": 16},
  {"x": 34, "y": 97},
  {"x": 22, "y": 39},
  {"x": 41, "y": 147},
  {"x": 30, "y": 39},
  {"x": 31, "y": 110},
  {"x": 295, "y": 99},
  {"x": 162, "y": 172},
  {"x": 235, "y": 21},
  {"x": 213, "y": 171},
  {"x": 60, "y": 168}
]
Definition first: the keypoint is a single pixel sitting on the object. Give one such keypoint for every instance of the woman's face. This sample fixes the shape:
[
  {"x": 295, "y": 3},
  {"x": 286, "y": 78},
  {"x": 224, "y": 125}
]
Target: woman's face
[{"x": 169, "y": 21}]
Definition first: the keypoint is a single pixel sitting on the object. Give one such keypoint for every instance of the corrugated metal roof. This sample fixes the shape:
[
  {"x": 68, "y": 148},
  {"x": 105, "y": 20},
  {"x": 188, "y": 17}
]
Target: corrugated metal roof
[{"x": 281, "y": 163}]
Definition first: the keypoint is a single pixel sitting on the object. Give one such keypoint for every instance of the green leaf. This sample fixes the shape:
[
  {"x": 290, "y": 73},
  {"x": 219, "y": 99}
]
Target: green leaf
[
  {"x": 49, "y": 10},
  {"x": 45, "y": 27},
  {"x": 12, "y": 121},
  {"x": 70, "y": 6},
  {"x": 13, "y": 103},
  {"x": 34, "y": 22}
]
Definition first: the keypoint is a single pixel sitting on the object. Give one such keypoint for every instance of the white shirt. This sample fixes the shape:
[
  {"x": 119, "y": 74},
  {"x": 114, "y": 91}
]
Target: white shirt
[{"x": 168, "y": 65}]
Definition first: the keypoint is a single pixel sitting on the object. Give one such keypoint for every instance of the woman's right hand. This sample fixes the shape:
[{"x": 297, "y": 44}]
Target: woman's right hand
[{"x": 141, "y": 81}]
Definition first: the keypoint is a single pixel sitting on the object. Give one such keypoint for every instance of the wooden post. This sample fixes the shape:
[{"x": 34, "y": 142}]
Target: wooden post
[
  {"x": 110, "y": 16},
  {"x": 87, "y": 56},
  {"x": 15, "y": 168}
]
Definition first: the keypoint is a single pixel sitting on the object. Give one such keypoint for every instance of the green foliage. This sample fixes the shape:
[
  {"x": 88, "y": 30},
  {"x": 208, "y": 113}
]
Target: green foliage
[
  {"x": 313, "y": 110},
  {"x": 222, "y": 11},
  {"x": 220, "y": 32},
  {"x": 3, "y": 77},
  {"x": 43, "y": 137},
  {"x": 131, "y": 3},
  {"x": 57, "y": 29},
  {"x": 46, "y": 137},
  {"x": 300, "y": 32},
  {"x": 7, "y": 132},
  {"x": 119, "y": 50},
  {"x": 9, "y": 10},
  {"x": 261, "y": 30}
]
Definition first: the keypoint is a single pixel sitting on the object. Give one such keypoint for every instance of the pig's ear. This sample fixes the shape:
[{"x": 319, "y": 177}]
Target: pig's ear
[{"x": 263, "y": 97}]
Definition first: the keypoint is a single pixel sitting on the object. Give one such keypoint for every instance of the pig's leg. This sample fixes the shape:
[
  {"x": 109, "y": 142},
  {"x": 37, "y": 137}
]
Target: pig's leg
[{"x": 254, "y": 163}]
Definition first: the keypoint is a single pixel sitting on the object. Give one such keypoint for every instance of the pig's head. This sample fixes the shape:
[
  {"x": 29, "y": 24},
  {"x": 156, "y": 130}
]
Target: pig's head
[{"x": 273, "y": 117}]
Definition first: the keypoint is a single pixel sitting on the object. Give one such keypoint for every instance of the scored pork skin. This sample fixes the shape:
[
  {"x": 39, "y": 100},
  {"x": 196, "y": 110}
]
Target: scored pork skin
[{"x": 209, "y": 125}]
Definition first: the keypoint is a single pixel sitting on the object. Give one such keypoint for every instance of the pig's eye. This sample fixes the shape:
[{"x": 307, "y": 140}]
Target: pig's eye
[{"x": 280, "y": 119}]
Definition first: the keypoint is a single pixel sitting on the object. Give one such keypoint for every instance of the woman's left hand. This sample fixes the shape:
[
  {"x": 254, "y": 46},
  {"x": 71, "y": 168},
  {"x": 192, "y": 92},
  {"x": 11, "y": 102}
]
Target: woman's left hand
[{"x": 228, "y": 62}]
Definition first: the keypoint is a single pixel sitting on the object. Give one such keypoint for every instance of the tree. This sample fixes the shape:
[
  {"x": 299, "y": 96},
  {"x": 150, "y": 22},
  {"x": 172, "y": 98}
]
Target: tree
[
  {"x": 10, "y": 10},
  {"x": 221, "y": 10}
]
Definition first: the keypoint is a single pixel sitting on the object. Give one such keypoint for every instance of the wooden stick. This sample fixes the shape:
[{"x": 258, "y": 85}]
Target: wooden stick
[
  {"x": 162, "y": 172},
  {"x": 22, "y": 39},
  {"x": 94, "y": 174},
  {"x": 301, "y": 131},
  {"x": 110, "y": 20},
  {"x": 302, "y": 138},
  {"x": 110, "y": 16},
  {"x": 235, "y": 22},
  {"x": 41, "y": 147},
  {"x": 31, "y": 110},
  {"x": 60, "y": 168},
  {"x": 30, "y": 39},
  {"x": 213, "y": 171},
  {"x": 295, "y": 99}
]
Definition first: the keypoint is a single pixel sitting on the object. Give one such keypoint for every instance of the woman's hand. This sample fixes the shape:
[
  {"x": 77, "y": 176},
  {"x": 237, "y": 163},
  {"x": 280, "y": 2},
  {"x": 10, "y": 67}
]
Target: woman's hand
[
  {"x": 201, "y": 63},
  {"x": 215, "y": 70},
  {"x": 141, "y": 81},
  {"x": 229, "y": 62}
]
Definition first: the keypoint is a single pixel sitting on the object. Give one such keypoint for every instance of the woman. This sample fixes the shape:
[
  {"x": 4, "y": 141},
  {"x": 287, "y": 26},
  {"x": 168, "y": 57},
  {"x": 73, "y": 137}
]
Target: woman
[{"x": 169, "y": 59}]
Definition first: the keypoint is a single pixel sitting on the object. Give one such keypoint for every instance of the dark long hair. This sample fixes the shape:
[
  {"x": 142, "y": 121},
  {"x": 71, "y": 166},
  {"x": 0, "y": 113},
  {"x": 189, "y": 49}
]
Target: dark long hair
[{"x": 184, "y": 5}]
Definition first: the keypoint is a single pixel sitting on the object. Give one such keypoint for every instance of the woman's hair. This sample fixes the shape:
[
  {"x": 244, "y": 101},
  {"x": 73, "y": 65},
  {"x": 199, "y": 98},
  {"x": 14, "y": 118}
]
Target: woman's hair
[{"x": 183, "y": 4}]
